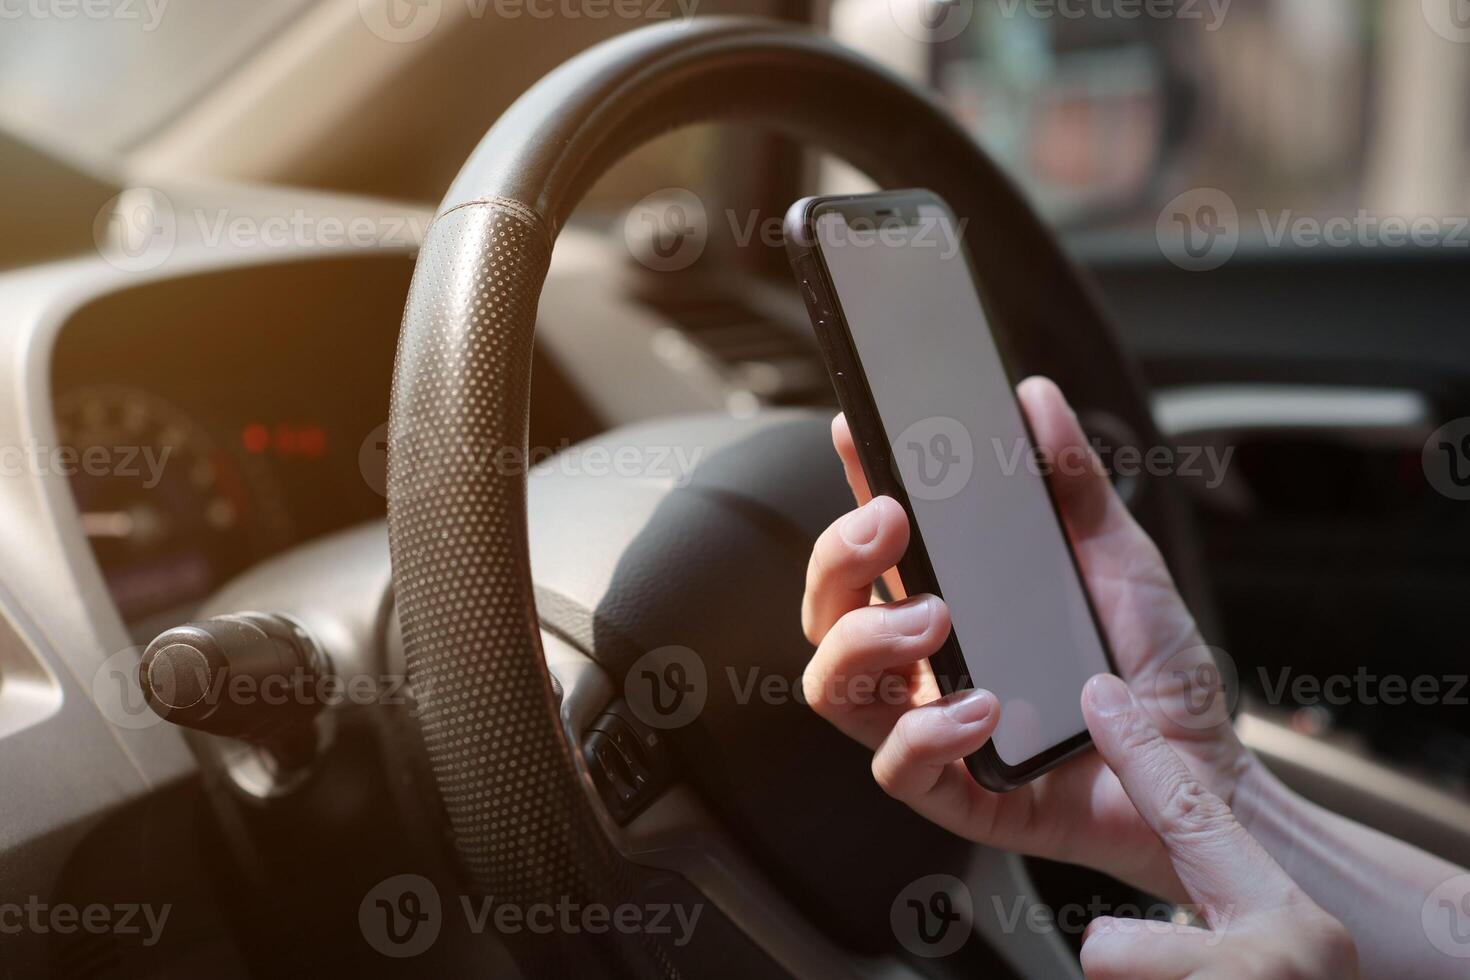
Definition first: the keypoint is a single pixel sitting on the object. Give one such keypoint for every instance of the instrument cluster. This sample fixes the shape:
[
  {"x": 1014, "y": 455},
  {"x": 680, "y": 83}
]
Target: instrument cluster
[{"x": 213, "y": 421}]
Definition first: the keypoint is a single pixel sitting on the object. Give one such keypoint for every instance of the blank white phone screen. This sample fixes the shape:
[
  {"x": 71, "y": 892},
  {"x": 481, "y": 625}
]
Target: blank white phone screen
[{"x": 998, "y": 551}]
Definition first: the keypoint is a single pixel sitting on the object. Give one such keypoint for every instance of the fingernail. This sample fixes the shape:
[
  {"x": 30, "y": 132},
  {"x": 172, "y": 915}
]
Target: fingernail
[
  {"x": 972, "y": 707},
  {"x": 861, "y": 526},
  {"x": 910, "y": 617},
  {"x": 1108, "y": 695}
]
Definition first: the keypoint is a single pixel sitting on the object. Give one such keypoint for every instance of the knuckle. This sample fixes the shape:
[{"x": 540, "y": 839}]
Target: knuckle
[
  {"x": 883, "y": 630},
  {"x": 813, "y": 687},
  {"x": 1138, "y": 737},
  {"x": 853, "y": 631},
  {"x": 834, "y": 680},
  {"x": 870, "y": 628},
  {"x": 903, "y": 747},
  {"x": 816, "y": 570},
  {"x": 829, "y": 553},
  {"x": 809, "y": 621},
  {"x": 1190, "y": 812},
  {"x": 884, "y": 777},
  {"x": 893, "y": 758}
]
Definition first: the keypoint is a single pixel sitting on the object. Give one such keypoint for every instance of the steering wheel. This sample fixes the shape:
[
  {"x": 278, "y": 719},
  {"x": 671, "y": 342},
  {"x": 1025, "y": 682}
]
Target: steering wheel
[{"x": 521, "y": 820}]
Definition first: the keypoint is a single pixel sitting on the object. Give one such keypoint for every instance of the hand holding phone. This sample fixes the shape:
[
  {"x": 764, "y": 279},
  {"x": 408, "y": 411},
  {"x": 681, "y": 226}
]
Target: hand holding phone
[
  {"x": 928, "y": 396},
  {"x": 1078, "y": 813}
]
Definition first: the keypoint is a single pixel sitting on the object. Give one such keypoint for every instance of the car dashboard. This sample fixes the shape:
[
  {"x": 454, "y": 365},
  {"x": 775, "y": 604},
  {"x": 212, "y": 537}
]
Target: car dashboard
[
  {"x": 209, "y": 418},
  {"x": 254, "y": 421}
]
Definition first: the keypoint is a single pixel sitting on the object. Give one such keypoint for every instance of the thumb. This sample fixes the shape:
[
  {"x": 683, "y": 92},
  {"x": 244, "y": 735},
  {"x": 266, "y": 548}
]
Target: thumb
[{"x": 1221, "y": 865}]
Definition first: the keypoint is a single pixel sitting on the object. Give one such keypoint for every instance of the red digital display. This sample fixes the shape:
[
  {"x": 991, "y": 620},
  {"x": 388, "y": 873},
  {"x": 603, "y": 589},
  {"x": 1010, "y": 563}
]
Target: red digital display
[
  {"x": 284, "y": 440},
  {"x": 256, "y": 437}
]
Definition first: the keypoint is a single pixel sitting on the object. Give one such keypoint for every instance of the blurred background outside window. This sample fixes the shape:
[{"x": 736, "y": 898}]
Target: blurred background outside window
[
  {"x": 1106, "y": 109},
  {"x": 1103, "y": 109}
]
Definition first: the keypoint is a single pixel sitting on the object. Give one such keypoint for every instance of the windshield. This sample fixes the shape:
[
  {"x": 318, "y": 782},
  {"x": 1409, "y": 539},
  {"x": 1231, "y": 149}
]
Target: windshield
[{"x": 1107, "y": 110}]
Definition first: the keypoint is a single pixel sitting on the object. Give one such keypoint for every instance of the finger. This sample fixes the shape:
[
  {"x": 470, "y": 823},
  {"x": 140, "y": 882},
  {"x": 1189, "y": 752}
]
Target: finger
[
  {"x": 1139, "y": 949},
  {"x": 857, "y": 481},
  {"x": 1145, "y": 619},
  {"x": 916, "y": 763},
  {"x": 1084, "y": 493},
  {"x": 871, "y": 666},
  {"x": 852, "y": 467},
  {"x": 856, "y": 549},
  {"x": 1218, "y": 863}
]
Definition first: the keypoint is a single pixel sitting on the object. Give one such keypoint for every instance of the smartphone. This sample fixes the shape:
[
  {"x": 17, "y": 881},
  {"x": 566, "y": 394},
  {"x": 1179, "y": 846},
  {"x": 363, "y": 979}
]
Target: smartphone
[{"x": 933, "y": 411}]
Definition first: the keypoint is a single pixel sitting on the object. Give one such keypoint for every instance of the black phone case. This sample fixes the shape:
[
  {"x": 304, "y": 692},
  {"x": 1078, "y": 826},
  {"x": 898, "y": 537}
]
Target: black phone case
[{"x": 856, "y": 399}]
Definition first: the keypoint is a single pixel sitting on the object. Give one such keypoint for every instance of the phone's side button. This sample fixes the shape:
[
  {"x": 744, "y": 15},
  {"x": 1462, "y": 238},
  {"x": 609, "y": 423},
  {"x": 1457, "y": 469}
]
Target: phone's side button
[{"x": 809, "y": 291}]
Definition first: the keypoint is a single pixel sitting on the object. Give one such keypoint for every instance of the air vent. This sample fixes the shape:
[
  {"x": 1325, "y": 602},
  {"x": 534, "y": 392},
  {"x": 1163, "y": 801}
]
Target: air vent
[{"x": 771, "y": 360}]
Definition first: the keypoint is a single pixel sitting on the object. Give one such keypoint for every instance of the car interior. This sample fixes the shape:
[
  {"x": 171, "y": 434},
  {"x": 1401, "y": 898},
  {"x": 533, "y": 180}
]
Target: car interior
[{"x": 448, "y": 350}]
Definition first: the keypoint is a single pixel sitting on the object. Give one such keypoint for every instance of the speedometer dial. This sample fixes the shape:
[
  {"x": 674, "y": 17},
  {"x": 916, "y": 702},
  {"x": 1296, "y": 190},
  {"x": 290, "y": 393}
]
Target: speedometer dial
[{"x": 170, "y": 512}]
